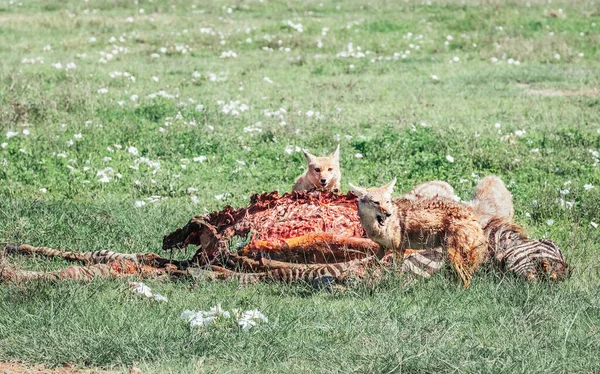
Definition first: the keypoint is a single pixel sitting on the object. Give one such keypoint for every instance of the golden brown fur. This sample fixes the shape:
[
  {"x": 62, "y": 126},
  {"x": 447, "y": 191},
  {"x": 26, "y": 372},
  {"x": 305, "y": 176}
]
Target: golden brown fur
[
  {"x": 492, "y": 200},
  {"x": 430, "y": 190},
  {"x": 407, "y": 224},
  {"x": 323, "y": 173}
]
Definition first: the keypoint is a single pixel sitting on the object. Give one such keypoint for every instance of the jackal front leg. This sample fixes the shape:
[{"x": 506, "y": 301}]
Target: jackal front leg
[{"x": 467, "y": 248}]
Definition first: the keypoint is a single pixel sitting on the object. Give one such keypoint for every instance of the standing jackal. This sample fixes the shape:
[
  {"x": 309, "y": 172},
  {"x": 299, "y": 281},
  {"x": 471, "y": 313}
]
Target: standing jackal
[
  {"x": 323, "y": 173},
  {"x": 412, "y": 224}
]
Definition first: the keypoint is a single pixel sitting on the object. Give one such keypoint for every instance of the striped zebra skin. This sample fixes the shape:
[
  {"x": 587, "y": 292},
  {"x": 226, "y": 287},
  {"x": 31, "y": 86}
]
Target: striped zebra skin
[{"x": 531, "y": 259}]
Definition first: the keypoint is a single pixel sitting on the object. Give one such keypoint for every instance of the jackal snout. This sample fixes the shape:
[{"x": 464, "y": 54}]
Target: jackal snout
[{"x": 383, "y": 216}]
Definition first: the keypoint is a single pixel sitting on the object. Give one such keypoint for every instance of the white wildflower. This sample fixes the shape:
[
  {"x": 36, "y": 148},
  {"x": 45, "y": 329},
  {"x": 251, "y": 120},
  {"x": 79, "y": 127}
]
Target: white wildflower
[
  {"x": 449, "y": 158},
  {"x": 566, "y": 204},
  {"x": 296, "y": 26},
  {"x": 234, "y": 108},
  {"x": 103, "y": 178},
  {"x": 158, "y": 297},
  {"x": 228, "y": 54},
  {"x": 588, "y": 187},
  {"x": 204, "y": 318},
  {"x": 594, "y": 224},
  {"x": 142, "y": 289},
  {"x": 250, "y": 318},
  {"x": 246, "y": 324}
]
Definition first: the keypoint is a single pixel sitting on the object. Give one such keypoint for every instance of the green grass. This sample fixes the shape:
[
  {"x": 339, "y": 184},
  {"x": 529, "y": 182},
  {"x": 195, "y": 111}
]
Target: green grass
[{"x": 391, "y": 111}]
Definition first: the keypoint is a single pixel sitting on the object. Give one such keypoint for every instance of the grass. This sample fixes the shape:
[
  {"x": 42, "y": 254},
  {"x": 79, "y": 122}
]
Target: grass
[{"x": 391, "y": 111}]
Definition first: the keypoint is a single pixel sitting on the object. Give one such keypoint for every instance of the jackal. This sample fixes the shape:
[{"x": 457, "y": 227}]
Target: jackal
[
  {"x": 413, "y": 224},
  {"x": 323, "y": 173}
]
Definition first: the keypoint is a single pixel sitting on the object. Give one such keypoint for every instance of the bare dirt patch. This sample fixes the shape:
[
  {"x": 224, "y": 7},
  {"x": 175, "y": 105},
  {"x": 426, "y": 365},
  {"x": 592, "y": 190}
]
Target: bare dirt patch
[
  {"x": 553, "y": 92},
  {"x": 591, "y": 92},
  {"x": 20, "y": 368}
]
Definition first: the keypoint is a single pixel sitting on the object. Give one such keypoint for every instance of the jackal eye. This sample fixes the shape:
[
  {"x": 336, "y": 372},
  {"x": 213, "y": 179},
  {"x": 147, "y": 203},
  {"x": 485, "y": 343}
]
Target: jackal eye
[
  {"x": 318, "y": 170},
  {"x": 376, "y": 203},
  {"x": 330, "y": 169}
]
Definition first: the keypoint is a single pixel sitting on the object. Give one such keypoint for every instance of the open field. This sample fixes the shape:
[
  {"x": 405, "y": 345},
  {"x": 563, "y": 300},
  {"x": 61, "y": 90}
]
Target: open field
[{"x": 120, "y": 120}]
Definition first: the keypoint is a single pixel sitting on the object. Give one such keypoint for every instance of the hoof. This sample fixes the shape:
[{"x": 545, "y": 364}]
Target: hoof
[
  {"x": 11, "y": 248},
  {"x": 325, "y": 282}
]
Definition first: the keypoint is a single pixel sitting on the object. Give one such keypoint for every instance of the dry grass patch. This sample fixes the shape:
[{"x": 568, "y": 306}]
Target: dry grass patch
[{"x": 20, "y": 368}]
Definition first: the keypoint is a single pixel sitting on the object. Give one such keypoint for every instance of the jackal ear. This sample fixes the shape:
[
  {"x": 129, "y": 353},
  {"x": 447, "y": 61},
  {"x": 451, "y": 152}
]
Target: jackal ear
[
  {"x": 308, "y": 156},
  {"x": 336, "y": 153},
  {"x": 358, "y": 191},
  {"x": 390, "y": 185}
]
